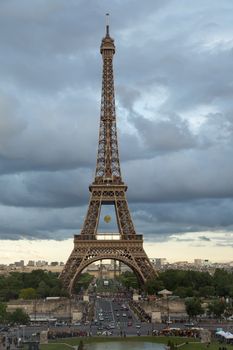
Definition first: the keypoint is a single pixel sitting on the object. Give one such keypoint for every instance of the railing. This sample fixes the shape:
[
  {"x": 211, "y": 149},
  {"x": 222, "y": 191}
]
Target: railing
[{"x": 107, "y": 237}]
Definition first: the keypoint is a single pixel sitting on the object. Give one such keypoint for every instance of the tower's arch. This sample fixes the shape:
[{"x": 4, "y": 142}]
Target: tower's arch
[{"x": 95, "y": 259}]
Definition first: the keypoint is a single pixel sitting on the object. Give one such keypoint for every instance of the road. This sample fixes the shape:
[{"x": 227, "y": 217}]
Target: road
[{"x": 113, "y": 317}]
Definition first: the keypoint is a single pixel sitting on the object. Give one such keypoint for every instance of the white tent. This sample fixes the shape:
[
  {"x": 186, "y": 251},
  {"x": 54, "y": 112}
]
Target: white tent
[
  {"x": 228, "y": 335},
  {"x": 222, "y": 333}
]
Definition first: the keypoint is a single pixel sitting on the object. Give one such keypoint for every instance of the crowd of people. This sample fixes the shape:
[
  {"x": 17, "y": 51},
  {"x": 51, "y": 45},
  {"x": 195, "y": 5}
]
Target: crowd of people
[
  {"x": 69, "y": 333},
  {"x": 178, "y": 332},
  {"x": 139, "y": 311}
]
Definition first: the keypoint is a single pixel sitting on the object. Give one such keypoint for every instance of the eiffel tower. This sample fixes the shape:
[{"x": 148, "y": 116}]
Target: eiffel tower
[{"x": 107, "y": 189}]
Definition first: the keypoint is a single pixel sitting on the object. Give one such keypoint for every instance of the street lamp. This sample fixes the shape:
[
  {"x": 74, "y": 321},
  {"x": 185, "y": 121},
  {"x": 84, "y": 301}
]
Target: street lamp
[{"x": 165, "y": 293}]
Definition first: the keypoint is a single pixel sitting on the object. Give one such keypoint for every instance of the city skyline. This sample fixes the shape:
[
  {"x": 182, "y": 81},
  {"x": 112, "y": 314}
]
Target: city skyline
[
  {"x": 174, "y": 116},
  {"x": 59, "y": 251}
]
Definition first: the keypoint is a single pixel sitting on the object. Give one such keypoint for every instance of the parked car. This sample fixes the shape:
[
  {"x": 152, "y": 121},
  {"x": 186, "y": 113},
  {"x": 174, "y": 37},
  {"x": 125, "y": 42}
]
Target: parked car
[{"x": 107, "y": 333}]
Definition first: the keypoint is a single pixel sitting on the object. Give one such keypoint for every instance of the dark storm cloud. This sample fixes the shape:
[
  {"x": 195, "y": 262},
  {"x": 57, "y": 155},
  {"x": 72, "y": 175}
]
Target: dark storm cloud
[
  {"x": 45, "y": 189},
  {"x": 164, "y": 135},
  {"x": 49, "y": 135},
  {"x": 187, "y": 216},
  {"x": 40, "y": 223},
  {"x": 174, "y": 108}
]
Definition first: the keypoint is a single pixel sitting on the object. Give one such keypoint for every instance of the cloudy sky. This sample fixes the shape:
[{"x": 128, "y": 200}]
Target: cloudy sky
[{"x": 174, "y": 97}]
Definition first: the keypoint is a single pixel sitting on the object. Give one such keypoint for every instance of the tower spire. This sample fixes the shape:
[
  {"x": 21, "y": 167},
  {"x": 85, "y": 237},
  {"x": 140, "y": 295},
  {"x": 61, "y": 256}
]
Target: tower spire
[{"x": 107, "y": 24}]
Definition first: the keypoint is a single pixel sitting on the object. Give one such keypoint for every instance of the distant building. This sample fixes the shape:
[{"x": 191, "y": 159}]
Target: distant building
[
  {"x": 201, "y": 262},
  {"x": 19, "y": 263},
  {"x": 41, "y": 263},
  {"x": 198, "y": 262},
  {"x": 158, "y": 262}
]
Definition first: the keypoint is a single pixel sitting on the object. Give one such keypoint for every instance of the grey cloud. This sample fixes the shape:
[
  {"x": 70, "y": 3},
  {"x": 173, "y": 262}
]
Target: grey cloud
[
  {"x": 41, "y": 223},
  {"x": 164, "y": 135},
  {"x": 184, "y": 175},
  {"x": 184, "y": 240},
  {"x": 180, "y": 217},
  {"x": 174, "y": 109},
  {"x": 51, "y": 138},
  {"x": 45, "y": 189}
]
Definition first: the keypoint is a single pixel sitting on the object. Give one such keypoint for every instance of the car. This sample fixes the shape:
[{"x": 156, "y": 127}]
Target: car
[
  {"x": 77, "y": 324},
  {"x": 118, "y": 315},
  {"x": 129, "y": 324},
  {"x": 112, "y": 326},
  {"x": 107, "y": 333},
  {"x": 4, "y": 329},
  {"x": 124, "y": 315},
  {"x": 138, "y": 326}
]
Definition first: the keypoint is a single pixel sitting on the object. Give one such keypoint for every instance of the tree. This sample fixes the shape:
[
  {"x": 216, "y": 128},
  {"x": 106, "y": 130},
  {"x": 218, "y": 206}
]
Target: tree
[
  {"x": 81, "y": 345},
  {"x": 83, "y": 282},
  {"x": 129, "y": 280},
  {"x": 3, "y": 313},
  {"x": 27, "y": 294},
  {"x": 184, "y": 292},
  {"x": 206, "y": 291},
  {"x": 19, "y": 316},
  {"x": 216, "y": 308},
  {"x": 154, "y": 285},
  {"x": 193, "y": 307},
  {"x": 223, "y": 282},
  {"x": 43, "y": 290}
]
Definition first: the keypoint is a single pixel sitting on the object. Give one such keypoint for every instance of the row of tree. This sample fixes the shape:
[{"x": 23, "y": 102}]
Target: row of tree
[
  {"x": 193, "y": 283},
  {"x": 186, "y": 283},
  {"x": 37, "y": 284},
  {"x": 215, "y": 308},
  {"x": 41, "y": 284}
]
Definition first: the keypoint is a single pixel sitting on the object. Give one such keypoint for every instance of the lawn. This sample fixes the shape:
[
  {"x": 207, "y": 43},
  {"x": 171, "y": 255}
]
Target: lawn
[{"x": 189, "y": 342}]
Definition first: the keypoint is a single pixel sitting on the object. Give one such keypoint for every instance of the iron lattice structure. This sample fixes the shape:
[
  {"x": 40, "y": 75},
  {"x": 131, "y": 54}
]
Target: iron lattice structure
[{"x": 107, "y": 188}]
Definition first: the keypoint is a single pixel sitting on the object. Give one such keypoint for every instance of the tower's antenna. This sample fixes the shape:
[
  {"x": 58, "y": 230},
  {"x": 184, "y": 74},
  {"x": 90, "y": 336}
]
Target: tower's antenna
[{"x": 107, "y": 24}]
